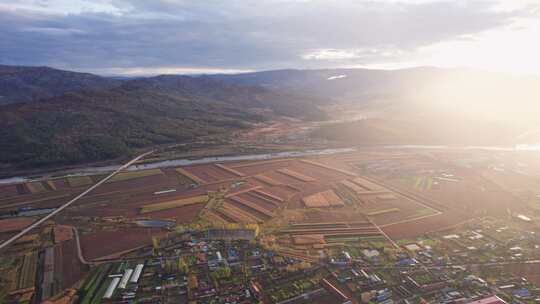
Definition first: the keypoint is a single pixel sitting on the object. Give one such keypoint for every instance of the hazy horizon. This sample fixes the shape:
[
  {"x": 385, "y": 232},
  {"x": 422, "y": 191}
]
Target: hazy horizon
[{"x": 135, "y": 38}]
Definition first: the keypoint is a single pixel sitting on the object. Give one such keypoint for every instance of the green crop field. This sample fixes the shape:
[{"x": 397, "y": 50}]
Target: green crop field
[{"x": 93, "y": 285}]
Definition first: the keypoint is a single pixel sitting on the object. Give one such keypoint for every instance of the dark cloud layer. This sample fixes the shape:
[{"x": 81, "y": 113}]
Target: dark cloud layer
[{"x": 236, "y": 34}]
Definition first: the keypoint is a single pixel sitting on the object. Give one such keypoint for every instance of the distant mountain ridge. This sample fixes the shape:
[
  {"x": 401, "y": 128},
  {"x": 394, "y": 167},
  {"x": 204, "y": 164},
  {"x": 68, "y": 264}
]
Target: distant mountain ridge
[
  {"x": 336, "y": 84},
  {"x": 88, "y": 118},
  {"x": 27, "y": 84},
  {"x": 50, "y": 117}
]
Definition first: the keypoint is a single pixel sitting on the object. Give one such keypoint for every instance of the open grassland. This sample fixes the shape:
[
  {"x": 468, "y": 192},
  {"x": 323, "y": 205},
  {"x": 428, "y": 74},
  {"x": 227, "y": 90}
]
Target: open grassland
[
  {"x": 79, "y": 181},
  {"x": 174, "y": 204},
  {"x": 122, "y": 176}
]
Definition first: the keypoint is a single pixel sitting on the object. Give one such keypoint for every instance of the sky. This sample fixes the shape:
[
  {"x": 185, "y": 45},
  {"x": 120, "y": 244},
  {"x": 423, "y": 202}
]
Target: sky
[{"x": 148, "y": 37}]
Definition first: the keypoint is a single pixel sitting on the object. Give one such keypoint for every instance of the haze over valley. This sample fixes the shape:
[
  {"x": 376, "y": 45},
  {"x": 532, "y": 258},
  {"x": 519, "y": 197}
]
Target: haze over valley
[
  {"x": 269, "y": 152},
  {"x": 54, "y": 118}
]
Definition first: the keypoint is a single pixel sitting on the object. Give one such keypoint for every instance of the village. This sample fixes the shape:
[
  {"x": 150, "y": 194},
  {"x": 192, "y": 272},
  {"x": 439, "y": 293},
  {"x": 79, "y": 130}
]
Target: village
[
  {"x": 469, "y": 265},
  {"x": 357, "y": 227}
]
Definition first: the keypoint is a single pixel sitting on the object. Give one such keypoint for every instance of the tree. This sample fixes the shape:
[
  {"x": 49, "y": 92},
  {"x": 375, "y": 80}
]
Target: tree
[
  {"x": 182, "y": 265},
  {"x": 155, "y": 245}
]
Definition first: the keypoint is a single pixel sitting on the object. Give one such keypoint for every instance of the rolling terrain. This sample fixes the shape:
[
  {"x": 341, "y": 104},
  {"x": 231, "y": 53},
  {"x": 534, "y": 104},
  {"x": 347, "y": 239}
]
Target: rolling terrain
[
  {"x": 104, "y": 123},
  {"x": 28, "y": 84},
  {"x": 51, "y": 118}
]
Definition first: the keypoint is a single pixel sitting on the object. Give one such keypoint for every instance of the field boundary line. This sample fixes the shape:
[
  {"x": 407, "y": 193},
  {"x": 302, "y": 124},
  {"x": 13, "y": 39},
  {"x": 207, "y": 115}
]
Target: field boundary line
[
  {"x": 64, "y": 206},
  {"x": 413, "y": 219}
]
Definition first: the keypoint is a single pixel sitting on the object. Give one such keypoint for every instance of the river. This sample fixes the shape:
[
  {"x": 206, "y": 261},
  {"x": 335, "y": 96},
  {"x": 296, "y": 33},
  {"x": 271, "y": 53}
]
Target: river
[
  {"x": 186, "y": 162},
  {"x": 205, "y": 160}
]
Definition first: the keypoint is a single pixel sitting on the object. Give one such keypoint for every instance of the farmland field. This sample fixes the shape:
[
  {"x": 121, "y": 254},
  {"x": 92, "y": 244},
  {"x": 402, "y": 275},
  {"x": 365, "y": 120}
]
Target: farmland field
[
  {"x": 174, "y": 204},
  {"x": 323, "y": 199},
  {"x": 36, "y": 187},
  {"x": 28, "y": 270},
  {"x": 391, "y": 190},
  {"x": 189, "y": 175},
  {"x": 423, "y": 183},
  {"x": 134, "y": 174},
  {"x": 8, "y": 191},
  {"x": 78, "y": 181},
  {"x": 15, "y": 224}
]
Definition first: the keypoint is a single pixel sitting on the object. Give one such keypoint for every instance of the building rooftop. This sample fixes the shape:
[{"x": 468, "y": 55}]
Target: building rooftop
[{"x": 489, "y": 300}]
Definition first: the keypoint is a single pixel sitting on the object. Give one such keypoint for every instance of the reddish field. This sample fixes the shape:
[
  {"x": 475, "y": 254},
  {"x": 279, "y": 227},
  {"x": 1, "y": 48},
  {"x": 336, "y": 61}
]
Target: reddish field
[
  {"x": 318, "y": 172},
  {"x": 43, "y": 200},
  {"x": 284, "y": 192},
  {"x": 60, "y": 184},
  {"x": 68, "y": 270},
  {"x": 416, "y": 228},
  {"x": 15, "y": 224},
  {"x": 104, "y": 243},
  {"x": 8, "y": 191},
  {"x": 263, "y": 167},
  {"x": 126, "y": 204},
  {"x": 473, "y": 195},
  {"x": 259, "y": 214},
  {"x": 323, "y": 199},
  {"x": 181, "y": 215},
  {"x": 138, "y": 184},
  {"x": 257, "y": 199},
  {"x": 297, "y": 175},
  {"x": 237, "y": 214},
  {"x": 62, "y": 233},
  {"x": 210, "y": 173}
]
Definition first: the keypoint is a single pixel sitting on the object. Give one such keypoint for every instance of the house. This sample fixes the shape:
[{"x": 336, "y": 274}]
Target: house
[{"x": 489, "y": 300}]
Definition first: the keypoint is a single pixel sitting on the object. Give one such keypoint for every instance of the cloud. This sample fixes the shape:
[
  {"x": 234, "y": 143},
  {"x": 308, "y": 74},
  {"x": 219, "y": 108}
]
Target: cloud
[{"x": 141, "y": 35}]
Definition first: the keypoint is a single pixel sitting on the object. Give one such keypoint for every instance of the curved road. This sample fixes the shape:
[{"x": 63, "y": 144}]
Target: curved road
[{"x": 64, "y": 206}]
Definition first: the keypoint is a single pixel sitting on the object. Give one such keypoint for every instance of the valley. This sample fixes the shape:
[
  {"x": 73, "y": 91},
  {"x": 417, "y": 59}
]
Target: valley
[{"x": 289, "y": 184}]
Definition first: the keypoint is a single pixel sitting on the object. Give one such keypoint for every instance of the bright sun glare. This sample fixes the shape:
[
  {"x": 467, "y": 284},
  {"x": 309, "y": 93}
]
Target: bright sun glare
[{"x": 512, "y": 49}]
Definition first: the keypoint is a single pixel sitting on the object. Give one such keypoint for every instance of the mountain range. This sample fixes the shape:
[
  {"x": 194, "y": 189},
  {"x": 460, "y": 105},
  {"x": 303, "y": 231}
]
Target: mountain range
[{"x": 51, "y": 117}]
